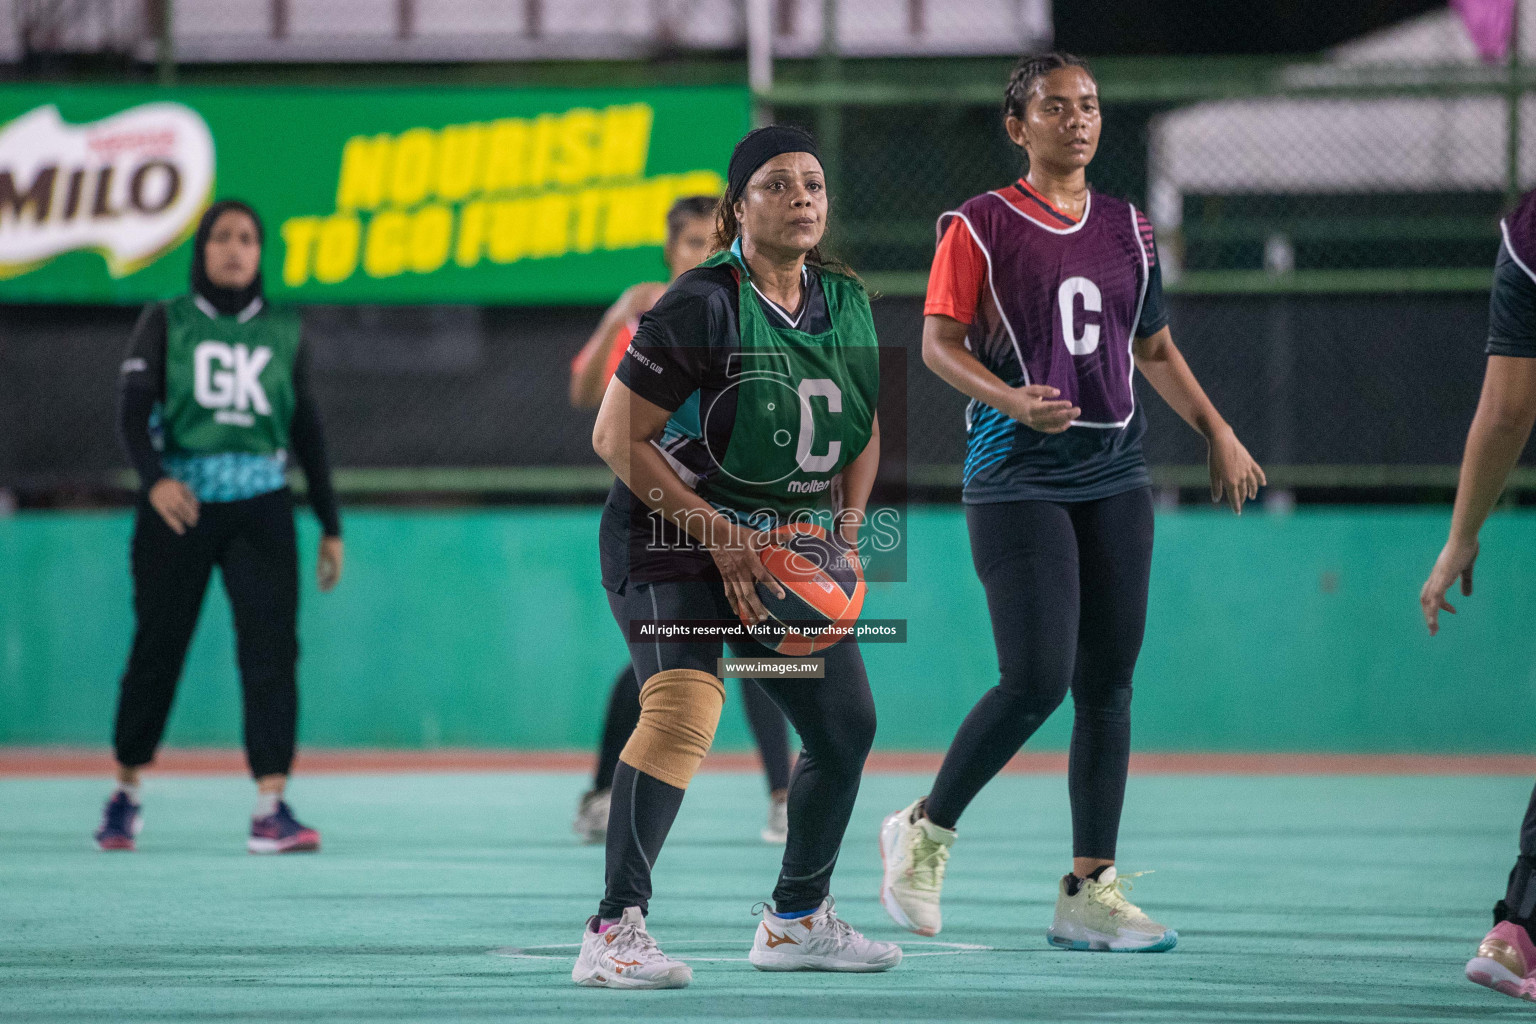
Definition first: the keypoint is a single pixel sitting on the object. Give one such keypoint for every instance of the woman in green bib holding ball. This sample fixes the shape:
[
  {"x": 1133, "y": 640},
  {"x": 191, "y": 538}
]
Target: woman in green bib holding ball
[
  {"x": 746, "y": 398},
  {"x": 214, "y": 396}
]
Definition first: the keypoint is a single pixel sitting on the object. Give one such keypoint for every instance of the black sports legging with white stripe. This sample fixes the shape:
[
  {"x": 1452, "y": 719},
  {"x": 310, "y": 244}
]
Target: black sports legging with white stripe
[
  {"x": 1067, "y": 591},
  {"x": 835, "y": 717}
]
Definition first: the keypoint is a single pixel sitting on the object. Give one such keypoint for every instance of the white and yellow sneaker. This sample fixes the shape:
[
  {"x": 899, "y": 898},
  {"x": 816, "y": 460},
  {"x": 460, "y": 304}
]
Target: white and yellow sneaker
[
  {"x": 776, "y": 831},
  {"x": 914, "y": 852},
  {"x": 591, "y": 821},
  {"x": 819, "y": 941},
  {"x": 625, "y": 956},
  {"x": 1099, "y": 917}
]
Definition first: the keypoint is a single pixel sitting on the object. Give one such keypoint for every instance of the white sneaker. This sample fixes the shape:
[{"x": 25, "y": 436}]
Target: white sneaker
[
  {"x": 591, "y": 824},
  {"x": 625, "y": 956},
  {"x": 914, "y": 854},
  {"x": 819, "y": 941},
  {"x": 1100, "y": 918},
  {"x": 777, "y": 829}
]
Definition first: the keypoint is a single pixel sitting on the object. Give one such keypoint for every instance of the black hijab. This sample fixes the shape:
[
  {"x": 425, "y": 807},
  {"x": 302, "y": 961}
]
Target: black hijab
[{"x": 227, "y": 301}]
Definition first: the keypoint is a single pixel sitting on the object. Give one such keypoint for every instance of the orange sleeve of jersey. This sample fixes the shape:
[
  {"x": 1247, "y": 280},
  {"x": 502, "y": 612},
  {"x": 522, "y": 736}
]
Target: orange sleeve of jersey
[
  {"x": 620, "y": 346},
  {"x": 958, "y": 273},
  {"x": 615, "y": 354}
]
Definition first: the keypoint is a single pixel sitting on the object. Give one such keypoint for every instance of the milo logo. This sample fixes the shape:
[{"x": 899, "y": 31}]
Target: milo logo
[{"x": 129, "y": 186}]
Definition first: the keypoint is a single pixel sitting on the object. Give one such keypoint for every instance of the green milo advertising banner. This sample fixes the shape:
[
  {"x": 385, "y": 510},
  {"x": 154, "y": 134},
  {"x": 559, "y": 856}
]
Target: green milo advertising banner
[{"x": 489, "y": 196}]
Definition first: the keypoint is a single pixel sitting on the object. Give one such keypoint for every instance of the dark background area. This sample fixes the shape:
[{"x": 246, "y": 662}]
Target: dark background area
[
  {"x": 1305, "y": 380},
  {"x": 1190, "y": 27},
  {"x": 1367, "y": 379}
]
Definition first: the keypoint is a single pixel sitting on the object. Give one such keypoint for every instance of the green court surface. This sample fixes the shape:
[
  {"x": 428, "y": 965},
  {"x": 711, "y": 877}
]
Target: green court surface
[{"x": 460, "y": 898}]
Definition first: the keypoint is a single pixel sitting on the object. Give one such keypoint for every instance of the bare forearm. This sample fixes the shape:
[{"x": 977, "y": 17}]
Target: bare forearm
[
  {"x": 653, "y": 480},
  {"x": 589, "y": 377},
  {"x": 587, "y": 385},
  {"x": 1161, "y": 362},
  {"x": 1505, "y": 411},
  {"x": 623, "y": 436},
  {"x": 944, "y": 353},
  {"x": 1493, "y": 448},
  {"x": 859, "y": 481},
  {"x": 589, "y": 371}
]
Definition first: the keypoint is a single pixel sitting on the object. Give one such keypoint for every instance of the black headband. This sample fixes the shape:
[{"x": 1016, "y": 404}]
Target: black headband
[{"x": 759, "y": 146}]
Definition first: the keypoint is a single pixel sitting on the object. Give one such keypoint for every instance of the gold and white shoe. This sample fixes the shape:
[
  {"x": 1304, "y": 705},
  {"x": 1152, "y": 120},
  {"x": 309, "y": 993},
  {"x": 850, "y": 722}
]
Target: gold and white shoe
[
  {"x": 818, "y": 941},
  {"x": 625, "y": 956},
  {"x": 1098, "y": 917},
  {"x": 1506, "y": 961},
  {"x": 913, "y": 853}
]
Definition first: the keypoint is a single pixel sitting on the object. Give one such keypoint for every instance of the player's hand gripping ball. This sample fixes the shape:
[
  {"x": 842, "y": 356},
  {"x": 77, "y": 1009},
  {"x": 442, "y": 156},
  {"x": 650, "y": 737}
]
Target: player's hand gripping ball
[{"x": 823, "y": 585}]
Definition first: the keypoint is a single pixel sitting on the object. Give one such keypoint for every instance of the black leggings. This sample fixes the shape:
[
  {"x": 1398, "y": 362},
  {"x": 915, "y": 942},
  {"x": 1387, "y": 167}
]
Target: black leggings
[
  {"x": 835, "y": 717},
  {"x": 253, "y": 544},
  {"x": 763, "y": 717},
  {"x": 1528, "y": 829},
  {"x": 1067, "y": 591},
  {"x": 1519, "y": 902}
]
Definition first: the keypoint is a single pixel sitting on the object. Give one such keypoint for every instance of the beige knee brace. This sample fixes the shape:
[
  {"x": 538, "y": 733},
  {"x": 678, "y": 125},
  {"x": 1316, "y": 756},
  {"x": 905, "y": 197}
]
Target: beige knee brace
[{"x": 679, "y": 712}]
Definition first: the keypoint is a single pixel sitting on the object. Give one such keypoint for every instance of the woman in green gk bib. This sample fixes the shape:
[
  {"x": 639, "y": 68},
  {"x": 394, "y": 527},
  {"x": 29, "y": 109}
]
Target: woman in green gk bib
[
  {"x": 214, "y": 395},
  {"x": 746, "y": 398}
]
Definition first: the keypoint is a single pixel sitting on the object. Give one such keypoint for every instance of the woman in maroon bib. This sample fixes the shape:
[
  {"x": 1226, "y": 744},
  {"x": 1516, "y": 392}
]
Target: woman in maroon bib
[{"x": 1044, "y": 298}]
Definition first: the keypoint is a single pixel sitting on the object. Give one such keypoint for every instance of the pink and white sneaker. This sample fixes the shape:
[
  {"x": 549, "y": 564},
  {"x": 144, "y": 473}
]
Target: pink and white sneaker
[
  {"x": 1506, "y": 962},
  {"x": 281, "y": 832}
]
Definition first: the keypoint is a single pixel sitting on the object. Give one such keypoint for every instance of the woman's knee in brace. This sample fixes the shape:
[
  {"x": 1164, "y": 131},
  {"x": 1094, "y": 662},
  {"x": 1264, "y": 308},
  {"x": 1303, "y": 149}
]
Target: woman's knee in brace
[{"x": 679, "y": 713}]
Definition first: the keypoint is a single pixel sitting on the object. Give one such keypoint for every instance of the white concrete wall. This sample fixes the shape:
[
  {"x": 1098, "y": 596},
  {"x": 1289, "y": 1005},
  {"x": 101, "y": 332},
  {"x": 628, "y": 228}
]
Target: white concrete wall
[{"x": 1350, "y": 145}]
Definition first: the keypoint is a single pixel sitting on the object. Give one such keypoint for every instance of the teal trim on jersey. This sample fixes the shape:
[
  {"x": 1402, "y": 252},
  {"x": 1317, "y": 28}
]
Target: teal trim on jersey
[
  {"x": 685, "y": 421},
  {"x": 989, "y": 439},
  {"x": 228, "y": 476}
]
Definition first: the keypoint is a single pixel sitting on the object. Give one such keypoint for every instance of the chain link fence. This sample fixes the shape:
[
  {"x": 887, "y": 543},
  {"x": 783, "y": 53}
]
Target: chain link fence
[
  {"x": 1327, "y": 231},
  {"x": 1318, "y": 185},
  {"x": 1289, "y": 184},
  {"x": 1386, "y": 162},
  {"x": 245, "y": 31}
]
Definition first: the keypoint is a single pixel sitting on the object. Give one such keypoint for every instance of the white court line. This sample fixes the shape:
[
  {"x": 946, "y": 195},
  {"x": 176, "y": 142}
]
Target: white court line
[{"x": 561, "y": 950}]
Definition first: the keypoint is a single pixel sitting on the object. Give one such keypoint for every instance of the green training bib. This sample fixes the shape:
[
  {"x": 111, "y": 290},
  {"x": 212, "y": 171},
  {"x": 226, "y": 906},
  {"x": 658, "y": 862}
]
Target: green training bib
[
  {"x": 806, "y": 404},
  {"x": 228, "y": 381}
]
